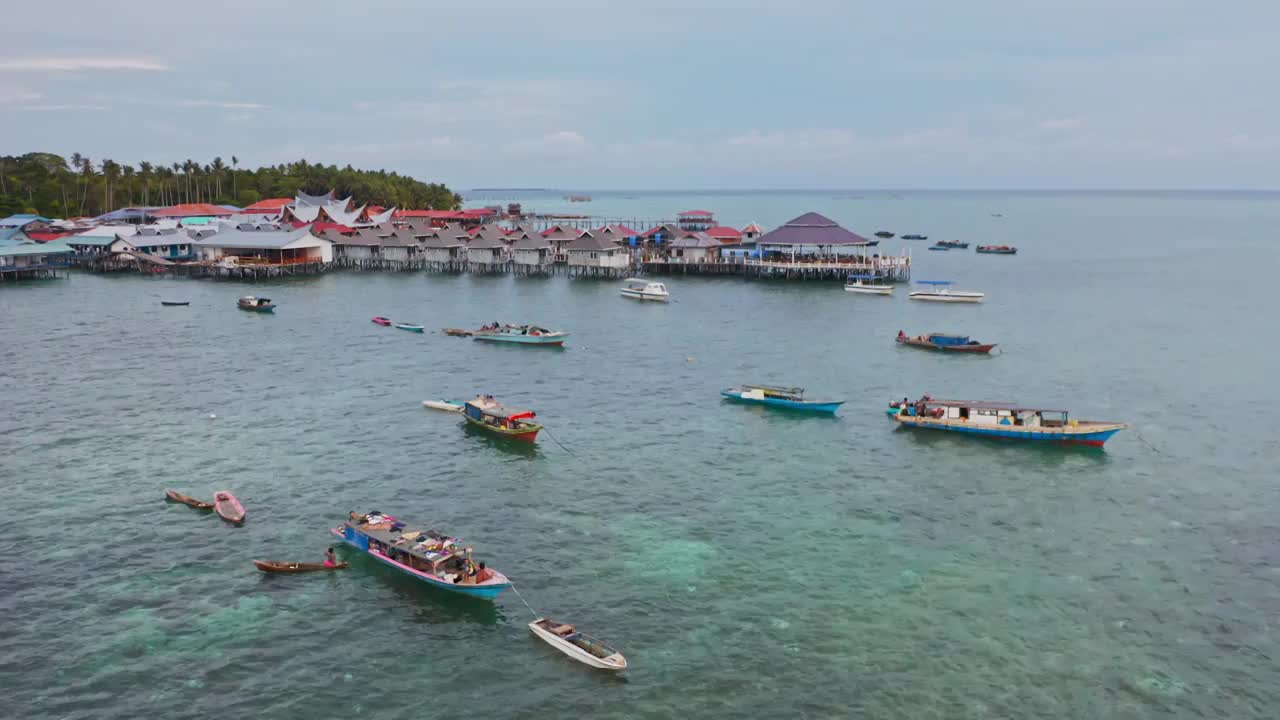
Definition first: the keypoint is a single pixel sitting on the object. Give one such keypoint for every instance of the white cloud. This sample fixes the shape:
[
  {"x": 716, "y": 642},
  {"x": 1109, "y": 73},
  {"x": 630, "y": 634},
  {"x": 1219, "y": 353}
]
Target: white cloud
[
  {"x": 1062, "y": 124},
  {"x": 62, "y": 106},
  {"x": 54, "y": 63},
  {"x": 210, "y": 104}
]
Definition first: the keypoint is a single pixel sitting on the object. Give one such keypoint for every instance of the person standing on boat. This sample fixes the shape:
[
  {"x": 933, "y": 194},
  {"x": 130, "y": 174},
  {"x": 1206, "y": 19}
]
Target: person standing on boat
[{"x": 330, "y": 558}]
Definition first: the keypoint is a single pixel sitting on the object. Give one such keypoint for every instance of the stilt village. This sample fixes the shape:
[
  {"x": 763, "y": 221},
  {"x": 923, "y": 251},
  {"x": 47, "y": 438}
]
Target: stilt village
[{"x": 310, "y": 234}]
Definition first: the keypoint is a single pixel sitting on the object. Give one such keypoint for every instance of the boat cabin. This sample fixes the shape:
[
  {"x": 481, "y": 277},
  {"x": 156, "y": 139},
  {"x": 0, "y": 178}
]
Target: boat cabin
[
  {"x": 991, "y": 413},
  {"x": 760, "y": 392},
  {"x": 484, "y": 409},
  {"x": 426, "y": 551}
]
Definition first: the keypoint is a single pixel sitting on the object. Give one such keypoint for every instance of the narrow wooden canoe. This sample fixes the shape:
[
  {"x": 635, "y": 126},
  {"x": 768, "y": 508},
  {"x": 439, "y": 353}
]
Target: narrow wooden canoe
[
  {"x": 228, "y": 507},
  {"x": 176, "y": 496},
  {"x": 175, "y": 303},
  {"x": 384, "y": 322},
  {"x": 278, "y": 566},
  {"x": 409, "y": 327},
  {"x": 455, "y": 332},
  {"x": 579, "y": 646}
]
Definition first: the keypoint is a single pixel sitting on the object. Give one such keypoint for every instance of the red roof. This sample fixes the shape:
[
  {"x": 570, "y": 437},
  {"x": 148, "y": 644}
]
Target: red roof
[
  {"x": 45, "y": 236},
  {"x": 618, "y": 230},
  {"x": 192, "y": 210},
  {"x": 269, "y": 205},
  {"x": 724, "y": 233},
  {"x": 430, "y": 214},
  {"x": 374, "y": 209},
  {"x": 479, "y": 212},
  {"x": 697, "y": 213}
]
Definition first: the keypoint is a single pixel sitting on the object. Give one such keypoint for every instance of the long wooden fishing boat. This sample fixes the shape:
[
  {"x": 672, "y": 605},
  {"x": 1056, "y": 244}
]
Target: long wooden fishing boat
[
  {"x": 780, "y": 397},
  {"x": 256, "y": 304},
  {"x": 176, "y": 496},
  {"x": 175, "y": 303},
  {"x": 521, "y": 335},
  {"x": 486, "y": 414},
  {"x": 997, "y": 250},
  {"x": 228, "y": 507},
  {"x": 884, "y": 234},
  {"x": 1004, "y": 420},
  {"x": 945, "y": 342},
  {"x": 579, "y": 646},
  {"x": 915, "y": 237},
  {"x": 277, "y": 566},
  {"x": 436, "y": 559},
  {"x": 953, "y": 244}
]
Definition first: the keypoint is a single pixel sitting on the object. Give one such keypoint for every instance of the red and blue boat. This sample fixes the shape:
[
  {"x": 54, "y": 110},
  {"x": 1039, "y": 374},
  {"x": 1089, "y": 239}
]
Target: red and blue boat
[
  {"x": 432, "y": 557},
  {"x": 945, "y": 342},
  {"x": 1003, "y": 420}
]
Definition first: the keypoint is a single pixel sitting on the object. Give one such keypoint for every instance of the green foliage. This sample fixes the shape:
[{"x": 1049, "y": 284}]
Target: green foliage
[{"x": 53, "y": 186}]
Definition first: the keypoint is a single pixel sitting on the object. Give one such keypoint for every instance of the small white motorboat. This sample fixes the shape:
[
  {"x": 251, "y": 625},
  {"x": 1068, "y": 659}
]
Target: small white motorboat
[
  {"x": 940, "y": 292},
  {"x": 867, "y": 285},
  {"x": 644, "y": 290},
  {"x": 583, "y": 648},
  {"x": 446, "y": 405}
]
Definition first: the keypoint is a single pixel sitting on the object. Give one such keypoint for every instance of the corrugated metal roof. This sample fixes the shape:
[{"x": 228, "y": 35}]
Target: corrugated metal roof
[
  {"x": 592, "y": 243},
  {"x": 254, "y": 239},
  {"x": 811, "y": 229},
  {"x": 22, "y": 219},
  {"x": 695, "y": 240},
  {"x": 192, "y": 210},
  {"x": 57, "y": 247}
]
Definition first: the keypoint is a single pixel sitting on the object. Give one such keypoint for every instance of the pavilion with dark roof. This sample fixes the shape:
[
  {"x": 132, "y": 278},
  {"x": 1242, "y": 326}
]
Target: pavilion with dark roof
[{"x": 811, "y": 234}]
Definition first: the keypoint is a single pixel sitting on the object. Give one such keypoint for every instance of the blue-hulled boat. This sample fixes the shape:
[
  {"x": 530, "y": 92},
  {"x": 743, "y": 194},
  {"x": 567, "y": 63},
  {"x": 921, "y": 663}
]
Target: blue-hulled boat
[
  {"x": 521, "y": 334},
  {"x": 1003, "y": 420},
  {"x": 435, "y": 559},
  {"x": 789, "y": 398}
]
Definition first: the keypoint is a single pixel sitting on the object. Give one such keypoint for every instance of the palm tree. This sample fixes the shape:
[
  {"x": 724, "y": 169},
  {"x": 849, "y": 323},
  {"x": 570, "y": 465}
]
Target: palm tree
[
  {"x": 219, "y": 169},
  {"x": 235, "y": 162},
  {"x": 110, "y": 171},
  {"x": 86, "y": 174},
  {"x": 144, "y": 170},
  {"x": 128, "y": 181}
]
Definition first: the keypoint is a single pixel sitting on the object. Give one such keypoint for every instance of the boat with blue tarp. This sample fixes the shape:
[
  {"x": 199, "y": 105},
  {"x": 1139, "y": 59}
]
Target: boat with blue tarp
[
  {"x": 946, "y": 342},
  {"x": 1003, "y": 420},
  {"x": 781, "y": 397},
  {"x": 434, "y": 558}
]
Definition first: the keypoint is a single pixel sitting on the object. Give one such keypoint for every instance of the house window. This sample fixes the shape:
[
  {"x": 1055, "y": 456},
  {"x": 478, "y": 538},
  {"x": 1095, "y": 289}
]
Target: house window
[{"x": 593, "y": 256}]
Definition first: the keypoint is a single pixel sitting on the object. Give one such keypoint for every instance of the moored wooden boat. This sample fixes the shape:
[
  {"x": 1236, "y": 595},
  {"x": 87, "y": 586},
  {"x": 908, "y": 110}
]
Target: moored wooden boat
[
  {"x": 176, "y": 496},
  {"x": 945, "y": 342},
  {"x": 436, "y": 559},
  {"x": 521, "y": 335},
  {"x": 579, "y": 646},
  {"x": 228, "y": 507},
  {"x": 486, "y": 414},
  {"x": 915, "y": 237},
  {"x": 277, "y": 566},
  {"x": 943, "y": 248},
  {"x": 997, "y": 250},
  {"x": 410, "y": 327},
  {"x": 953, "y": 244},
  {"x": 256, "y": 304},
  {"x": 1004, "y": 420},
  {"x": 457, "y": 332},
  {"x": 940, "y": 292},
  {"x": 884, "y": 234},
  {"x": 175, "y": 303},
  {"x": 384, "y": 322},
  {"x": 780, "y": 397}
]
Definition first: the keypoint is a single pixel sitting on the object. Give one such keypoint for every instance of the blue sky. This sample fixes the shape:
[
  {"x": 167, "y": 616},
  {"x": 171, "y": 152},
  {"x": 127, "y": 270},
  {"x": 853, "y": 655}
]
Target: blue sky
[{"x": 660, "y": 94}]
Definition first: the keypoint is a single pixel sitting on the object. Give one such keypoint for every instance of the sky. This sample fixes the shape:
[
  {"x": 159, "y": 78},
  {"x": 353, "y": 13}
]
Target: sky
[{"x": 660, "y": 94}]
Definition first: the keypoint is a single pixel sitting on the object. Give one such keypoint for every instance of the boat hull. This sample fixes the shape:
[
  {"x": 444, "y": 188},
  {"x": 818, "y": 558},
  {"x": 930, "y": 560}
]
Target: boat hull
[
  {"x": 174, "y": 304},
  {"x": 411, "y": 328},
  {"x": 384, "y": 322},
  {"x": 869, "y": 289},
  {"x": 803, "y": 405},
  {"x": 352, "y": 537},
  {"x": 175, "y": 496},
  {"x": 522, "y": 435},
  {"x": 573, "y": 651},
  {"x": 539, "y": 340},
  {"x": 1094, "y": 435},
  {"x": 926, "y": 345},
  {"x": 1010, "y": 251},
  {"x": 228, "y": 508},
  {"x": 948, "y": 297},
  {"x": 277, "y": 566},
  {"x": 258, "y": 309},
  {"x": 641, "y": 295}
]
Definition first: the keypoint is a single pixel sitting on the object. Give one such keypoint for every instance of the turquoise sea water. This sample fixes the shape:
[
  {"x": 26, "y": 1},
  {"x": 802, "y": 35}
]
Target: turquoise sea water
[{"x": 749, "y": 563}]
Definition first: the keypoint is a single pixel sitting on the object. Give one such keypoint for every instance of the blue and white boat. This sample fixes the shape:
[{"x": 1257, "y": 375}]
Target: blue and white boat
[
  {"x": 789, "y": 398},
  {"x": 435, "y": 559},
  {"x": 521, "y": 334},
  {"x": 1003, "y": 420}
]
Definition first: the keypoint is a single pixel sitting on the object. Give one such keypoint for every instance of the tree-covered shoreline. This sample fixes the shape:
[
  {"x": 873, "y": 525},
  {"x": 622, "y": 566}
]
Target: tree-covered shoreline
[{"x": 54, "y": 186}]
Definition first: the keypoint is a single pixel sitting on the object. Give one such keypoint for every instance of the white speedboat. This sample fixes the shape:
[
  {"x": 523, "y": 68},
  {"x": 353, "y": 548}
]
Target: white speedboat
[
  {"x": 583, "y": 648},
  {"x": 644, "y": 290},
  {"x": 940, "y": 292},
  {"x": 867, "y": 285}
]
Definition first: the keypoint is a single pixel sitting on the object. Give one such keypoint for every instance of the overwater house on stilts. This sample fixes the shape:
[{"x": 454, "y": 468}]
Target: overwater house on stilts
[
  {"x": 354, "y": 250},
  {"x": 813, "y": 246},
  {"x": 695, "y": 248},
  {"x": 168, "y": 243},
  {"x": 95, "y": 243},
  {"x": 751, "y": 233},
  {"x": 592, "y": 255},
  {"x": 265, "y": 253},
  {"x": 401, "y": 250},
  {"x": 695, "y": 220},
  {"x": 445, "y": 251},
  {"x": 532, "y": 254},
  {"x": 487, "y": 250},
  {"x": 560, "y": 236},
  {"x": 29, "y": 261}
]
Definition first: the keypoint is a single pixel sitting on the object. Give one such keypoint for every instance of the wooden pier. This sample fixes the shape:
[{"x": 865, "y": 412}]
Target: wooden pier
[
  {"x": 892, "y": 268},
  {"x": 41, "y": 271}
]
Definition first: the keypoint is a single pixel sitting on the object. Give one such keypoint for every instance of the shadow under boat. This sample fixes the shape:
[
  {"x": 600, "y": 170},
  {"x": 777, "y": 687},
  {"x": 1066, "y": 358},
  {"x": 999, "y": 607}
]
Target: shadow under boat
[{"x": 511, "y": 446}]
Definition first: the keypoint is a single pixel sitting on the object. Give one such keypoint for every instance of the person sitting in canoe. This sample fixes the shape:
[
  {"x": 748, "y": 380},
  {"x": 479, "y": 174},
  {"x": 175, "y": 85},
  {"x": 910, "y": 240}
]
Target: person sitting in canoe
[
  {"x": 902, "y": 335},
  {"x": 330, "y": 558}
]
